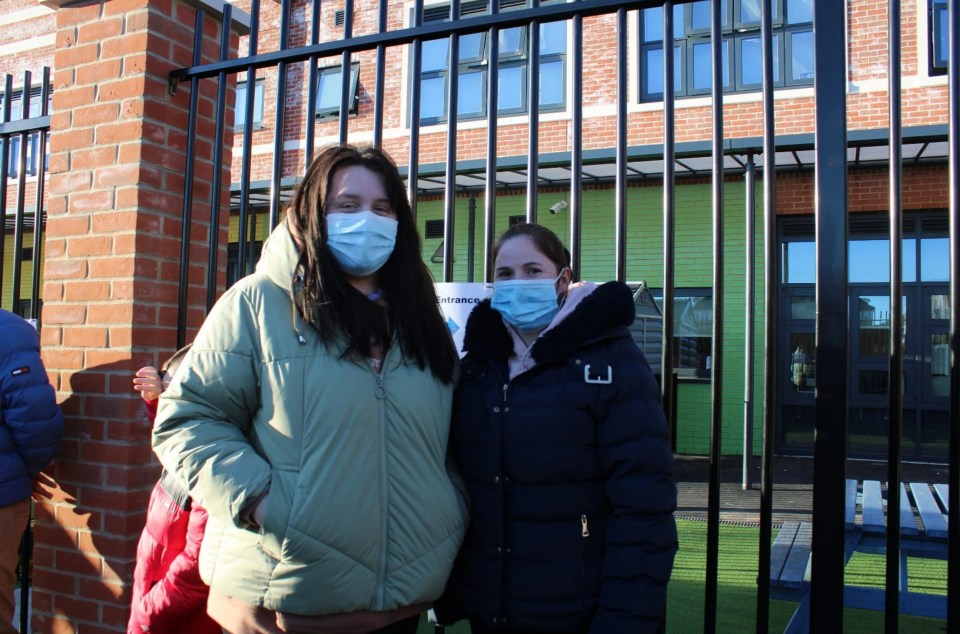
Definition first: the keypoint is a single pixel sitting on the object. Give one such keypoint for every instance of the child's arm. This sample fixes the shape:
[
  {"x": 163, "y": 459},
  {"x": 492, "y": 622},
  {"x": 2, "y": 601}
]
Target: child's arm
[{"x": 181, "y": 593}]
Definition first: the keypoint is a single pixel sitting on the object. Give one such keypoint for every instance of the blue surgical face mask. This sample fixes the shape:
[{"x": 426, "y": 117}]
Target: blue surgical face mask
[
  {"x": 361, "y": 242},
  {"x": 527, "y": 305}
]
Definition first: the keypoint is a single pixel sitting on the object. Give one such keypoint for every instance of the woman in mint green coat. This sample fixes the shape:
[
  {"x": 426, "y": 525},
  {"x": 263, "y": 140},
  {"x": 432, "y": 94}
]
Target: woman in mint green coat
[{"x": 311, "y": 420}]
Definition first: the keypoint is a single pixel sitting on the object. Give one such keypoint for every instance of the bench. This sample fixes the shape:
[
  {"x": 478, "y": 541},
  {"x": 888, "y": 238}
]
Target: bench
[{"x": 790, "y": 570}]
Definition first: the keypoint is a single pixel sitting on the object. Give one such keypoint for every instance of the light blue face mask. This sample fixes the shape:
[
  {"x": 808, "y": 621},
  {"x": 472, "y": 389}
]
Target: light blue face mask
[
  {"x": 361, "y": 242},
  {"x": 527, "y": 305}
]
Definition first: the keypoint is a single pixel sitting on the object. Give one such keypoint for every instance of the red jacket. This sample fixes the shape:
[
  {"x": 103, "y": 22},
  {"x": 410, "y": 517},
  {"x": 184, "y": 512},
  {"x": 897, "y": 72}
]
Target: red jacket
[{"x": 168, "y": 594}]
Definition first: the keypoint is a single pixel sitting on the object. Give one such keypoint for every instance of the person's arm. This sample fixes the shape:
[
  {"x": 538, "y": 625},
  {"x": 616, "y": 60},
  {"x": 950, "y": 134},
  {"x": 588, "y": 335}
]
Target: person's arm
[
  {"x": 205, "y": 415},
  {"x": 638, "y": 468},
  {"x": 148, "y": 382},
  {"x": 181, "y": 592},
  {"x": 28, "y": 401}
]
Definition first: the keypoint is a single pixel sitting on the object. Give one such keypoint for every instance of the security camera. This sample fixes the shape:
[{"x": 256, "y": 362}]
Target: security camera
[{"x": 557, "y": 206}]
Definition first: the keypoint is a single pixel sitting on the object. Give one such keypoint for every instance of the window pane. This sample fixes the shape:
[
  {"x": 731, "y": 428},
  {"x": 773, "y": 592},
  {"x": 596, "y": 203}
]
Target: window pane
[
  {"x": 702, "y": 65},
  {"x": 433, "y": 92},
  {"x": 328, "y": 94},
  {"x": 803, "y": 307},
  {"x": 471, "y": 47},
  {"x": 239, "y": 108},
  {"x": 750, "y": 10},
  {"x": 799, "y": 263},
  {"x": 799, "y": 11},
  {"x": 801, "y": 55},
  {"x": 511, "y": 41},
  {"x": 700, "y": 15},
  {"x": 553, "y": 38},
  {"x": 434, "y": 55},
  {"x": 510, "y": 89},
  {"x": 653, "y": 23},
  {"x": 653, "y": 79},
  {"x": 803, "y": 361},
  {"x": 939, "y": 307},
  {"x": 934, "y": 260},
  {"x": 940, "y": 364},
  {"x": 470, "y": 94},
  {"x": 551, "y": 83},
  {"x": 751, "y": 51},
  {"x": 869, "y": 261},
  {"x": 874, "y": 317},
  {"x": 940, "y": 35}
]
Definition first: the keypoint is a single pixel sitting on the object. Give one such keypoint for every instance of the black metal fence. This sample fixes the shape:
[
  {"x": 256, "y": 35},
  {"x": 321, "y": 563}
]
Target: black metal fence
[{"x": 831, "y": 216}]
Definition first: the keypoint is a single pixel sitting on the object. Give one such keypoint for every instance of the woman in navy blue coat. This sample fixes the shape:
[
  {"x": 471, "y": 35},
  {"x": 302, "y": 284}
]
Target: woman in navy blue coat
[{"x": 560, "y": 438}]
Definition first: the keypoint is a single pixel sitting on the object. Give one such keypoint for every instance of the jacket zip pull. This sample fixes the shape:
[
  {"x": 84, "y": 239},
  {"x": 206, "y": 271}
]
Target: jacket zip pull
[
  {"x": 380, "y": 391},
  {"x": 584, "y": 526},
  {"x": 505, "y": 386}
]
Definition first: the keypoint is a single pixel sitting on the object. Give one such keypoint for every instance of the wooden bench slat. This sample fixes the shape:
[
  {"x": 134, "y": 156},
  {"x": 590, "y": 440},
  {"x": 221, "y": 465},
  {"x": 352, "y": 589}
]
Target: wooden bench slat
[
  {"x": 798, "y": 561},
  {"x": 872, "y": 516},
  {"x": 934, "y": 523},
  {"x": 781, "y": 548},
  {"x": 908, "y": 525},
  {"x": 850, "y": 508},
  {"x": 943, "y": 493}
]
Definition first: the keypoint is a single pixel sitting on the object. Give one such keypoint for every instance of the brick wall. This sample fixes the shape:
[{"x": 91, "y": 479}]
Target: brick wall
[{"x": 113, "y": 240}]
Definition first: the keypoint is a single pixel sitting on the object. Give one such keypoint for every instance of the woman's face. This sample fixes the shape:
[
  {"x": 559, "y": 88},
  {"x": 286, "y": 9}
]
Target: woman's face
[
  {"x": 520, "y": 259},
  {"x": 355, "y": 188}
]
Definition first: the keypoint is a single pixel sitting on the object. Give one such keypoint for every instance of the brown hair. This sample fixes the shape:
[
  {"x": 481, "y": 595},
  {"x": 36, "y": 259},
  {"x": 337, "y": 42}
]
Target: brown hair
[
  {"x": 172, "y": 364},
  {"x": 327, "y": 301},
  {"x": 543, "y": 239}
]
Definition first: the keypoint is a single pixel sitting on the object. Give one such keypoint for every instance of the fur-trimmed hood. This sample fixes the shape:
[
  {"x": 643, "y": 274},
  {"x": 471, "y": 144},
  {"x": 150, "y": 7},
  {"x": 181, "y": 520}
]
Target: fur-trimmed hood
[{"x": 608, "y": 311}]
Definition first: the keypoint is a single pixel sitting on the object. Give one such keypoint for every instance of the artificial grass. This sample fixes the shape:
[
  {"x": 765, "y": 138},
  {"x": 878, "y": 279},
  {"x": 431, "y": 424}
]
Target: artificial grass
[{"x": 737, "y": 593}]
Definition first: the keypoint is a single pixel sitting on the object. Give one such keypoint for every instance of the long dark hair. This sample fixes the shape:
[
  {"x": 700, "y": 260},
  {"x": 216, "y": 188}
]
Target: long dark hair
[
  {"x": 331, "y": 305},
  {"x": 545, "y": 240}
]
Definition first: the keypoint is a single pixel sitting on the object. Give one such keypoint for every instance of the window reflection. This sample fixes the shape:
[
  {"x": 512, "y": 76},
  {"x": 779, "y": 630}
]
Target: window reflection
[
  {"x": 934, "y": 260},
  {"x": 799, "y": 263},
  {"x": 874, "y": 320},
  {"x": 939, "y": 307}
]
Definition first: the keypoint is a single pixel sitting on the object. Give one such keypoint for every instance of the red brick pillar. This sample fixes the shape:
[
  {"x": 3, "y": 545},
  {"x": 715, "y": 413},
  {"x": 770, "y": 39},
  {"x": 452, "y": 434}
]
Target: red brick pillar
[{"x": 117, "y": 165}]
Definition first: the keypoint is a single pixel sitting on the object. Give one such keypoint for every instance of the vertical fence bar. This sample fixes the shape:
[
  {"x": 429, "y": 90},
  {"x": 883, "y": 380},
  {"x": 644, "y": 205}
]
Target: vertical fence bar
[
  {"x": 953, "y": 555},
  {"x": 313, "y": 87},
  {"x": 620, "y": 196},
  {"x": 187, "y": 210},
  {"x": 21, "y": 199},
  {"x": 533, "y": 109},
  {"x": 416, "y": 54},
  {"x": 247, "y": 155},
  {"x": 830, "y": 400},
  {"x": 214, "y": 237},
  {"x": 576, "y": 149},
  {"x": 771, "y": 299},
  {"x": 346, "y": 95},
  {"x": 450, "y": 171},
  {"x": 276, "y": 172},
  {"x": 892, "y": 592},
  {"x": 716, "y": 382},
  {"x": 668, "y": 384},
  {"x": 379, "y": 79},
  {"x": 5, "y": 110},
  {"x": 38, "y": 214},
  {"x": 748, "y": 328},
  {"x": 490, "y": 177}
]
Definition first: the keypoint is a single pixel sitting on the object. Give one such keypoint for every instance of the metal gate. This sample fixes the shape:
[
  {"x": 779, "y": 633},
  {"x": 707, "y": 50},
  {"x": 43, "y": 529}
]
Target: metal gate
[{"x": 408, "y": 38}]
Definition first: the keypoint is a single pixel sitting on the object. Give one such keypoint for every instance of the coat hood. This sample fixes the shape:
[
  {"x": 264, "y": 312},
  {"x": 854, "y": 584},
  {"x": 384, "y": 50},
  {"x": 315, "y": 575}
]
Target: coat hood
[
  {"x": 607, "y": 311},
  {"x": 280, "y": 257}
]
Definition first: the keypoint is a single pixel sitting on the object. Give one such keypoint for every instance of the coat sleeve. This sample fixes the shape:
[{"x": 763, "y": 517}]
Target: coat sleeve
[
  {"x": 181, "y": 592},
  {"x": 638, "y": 469},
  {"x": 204, "y": 416},
  {"x": 29, "y": 404}
]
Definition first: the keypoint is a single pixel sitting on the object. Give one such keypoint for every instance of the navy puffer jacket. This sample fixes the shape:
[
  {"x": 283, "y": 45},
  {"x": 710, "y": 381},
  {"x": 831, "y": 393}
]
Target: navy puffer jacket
[
  {"x": 30, "y": 419},
  {"x": 570, "y": 477}
]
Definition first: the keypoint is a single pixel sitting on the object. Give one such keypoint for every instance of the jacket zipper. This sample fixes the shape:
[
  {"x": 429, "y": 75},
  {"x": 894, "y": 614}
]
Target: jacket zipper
[
  {"x": 504, "y": 398},
  {"x": 381, "y": 394},
  {"x": 584, "y": 526}
]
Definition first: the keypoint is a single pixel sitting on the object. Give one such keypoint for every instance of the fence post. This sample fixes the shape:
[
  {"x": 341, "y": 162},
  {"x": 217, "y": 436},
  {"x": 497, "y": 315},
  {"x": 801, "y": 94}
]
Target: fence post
[{"x": 110, "y": 283}]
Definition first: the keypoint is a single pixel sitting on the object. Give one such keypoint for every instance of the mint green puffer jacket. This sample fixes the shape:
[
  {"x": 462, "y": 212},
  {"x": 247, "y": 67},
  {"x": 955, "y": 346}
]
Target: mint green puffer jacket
[{"x": 362, "y": 513}]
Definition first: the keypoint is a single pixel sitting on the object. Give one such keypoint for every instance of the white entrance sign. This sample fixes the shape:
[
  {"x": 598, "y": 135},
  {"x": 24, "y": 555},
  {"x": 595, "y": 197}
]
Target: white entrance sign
[{"x": 457, "y": 299}]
